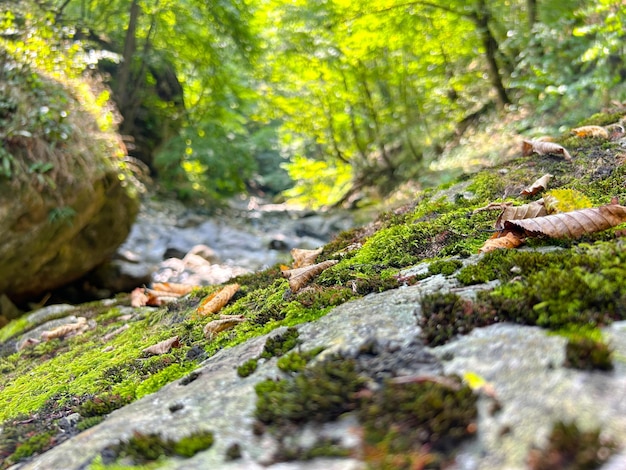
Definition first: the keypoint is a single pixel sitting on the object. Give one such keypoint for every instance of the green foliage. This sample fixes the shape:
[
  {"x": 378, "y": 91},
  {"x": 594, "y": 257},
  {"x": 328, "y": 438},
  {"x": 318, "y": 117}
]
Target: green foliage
[{"x": 212, "y": 162}]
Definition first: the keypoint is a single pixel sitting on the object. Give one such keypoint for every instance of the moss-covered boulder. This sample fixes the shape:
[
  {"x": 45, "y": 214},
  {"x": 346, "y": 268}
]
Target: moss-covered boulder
[{"x": 65, "y": 201}]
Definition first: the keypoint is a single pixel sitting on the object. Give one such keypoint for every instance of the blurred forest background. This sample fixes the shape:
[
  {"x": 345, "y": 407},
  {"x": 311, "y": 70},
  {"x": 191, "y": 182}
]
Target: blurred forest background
[{"x": 319, "y": 102}]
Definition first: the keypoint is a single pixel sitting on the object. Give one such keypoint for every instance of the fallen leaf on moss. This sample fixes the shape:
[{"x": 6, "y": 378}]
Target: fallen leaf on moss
[
  {"x": 302, "y": 258},
  {"x": 544, "y": 148},
  {"x": 160, "y": 293},
  {"x": 506, "y": 241},
  {"x": 572, "y": 224},
  {"x": 538, "y": 185},
  {"x": 225, "y": 322},
  {"x": 525, "y": 211},
  {"x": 172, "y": 288},
  {"x": 214, "y": 302},
  {"x": 163, "y": 347},
  {"x": 591, "y": 131},
  {"x": 138, "y": 297},
  {"x": 299, "y": 277},
  {"x": 63, "y": 331}
]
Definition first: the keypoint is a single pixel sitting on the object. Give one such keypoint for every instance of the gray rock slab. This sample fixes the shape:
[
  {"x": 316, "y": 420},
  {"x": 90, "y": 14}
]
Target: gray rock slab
[{"x": 522, "y": 364}]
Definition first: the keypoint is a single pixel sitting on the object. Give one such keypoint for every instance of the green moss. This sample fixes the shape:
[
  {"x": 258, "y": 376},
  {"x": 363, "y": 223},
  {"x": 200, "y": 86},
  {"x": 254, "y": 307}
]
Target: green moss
[
  {"x": 443, "y": 315},
  {"x": 403, "y": 417},
  {"x": 247, "y": 368},
  {"x": 34, "y": 445},
  {"x": 445, "y": 267},
  {"x": 318, "y": 297},
  {"x": 163, "y": 377},
  {"x": 343, "y": 243},
  {"x": 102, "y": 405},
  {"x": 347, "y": 280},
  {"x": 297, "y": 361},
  {"x": 323, "y": 447},
  {"x": 143, "y": 448},
  {"x": 570, "y": 448},
  {"x": 602, "y": 119},
  {"x": 233, "y": 452},
  {"x": 588, "y": 354},
  {"x": 278, "y": 345},
  {"x": 320, "y": 393},
  {"x": 257, "y": 280},
  {"x": 190, "y": 445},
  {"x": 90, "y": 422}
]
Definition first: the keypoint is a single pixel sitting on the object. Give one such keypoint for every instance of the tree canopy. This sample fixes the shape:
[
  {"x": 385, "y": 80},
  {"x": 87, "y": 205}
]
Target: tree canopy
[{"x": 319, "y": 99}]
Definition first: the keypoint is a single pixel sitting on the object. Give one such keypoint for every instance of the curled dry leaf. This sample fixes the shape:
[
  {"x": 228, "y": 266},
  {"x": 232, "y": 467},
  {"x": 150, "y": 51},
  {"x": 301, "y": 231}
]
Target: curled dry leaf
[
  {"x": 572, "y": 224},
  {"x": 71, "y": 329},
  {"x": 505, "y": 241},
  {"x": 591, "y": 131},
  {"x": 544, "y": 148},
  {"x": 214, "y": 302},
  {"x": 538, "y": 185},
  {"x": 163, "y": 347},
  {"x": 302, "y": 258},
  {"x": 172, "y": 289},
  {"x": 526, "y": 211},
  {"x": 615, "y": 130},
  {"x": 138, "y": 297},
  {"x": 225, "y": 322},
  {"x": 300, "y": 276}
]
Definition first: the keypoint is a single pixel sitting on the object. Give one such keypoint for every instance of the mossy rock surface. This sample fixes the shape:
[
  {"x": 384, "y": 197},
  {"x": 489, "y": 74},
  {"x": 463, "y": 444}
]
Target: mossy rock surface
[
  {"x": 410, "y": 314},
  {"x": 65, "y": 202}
]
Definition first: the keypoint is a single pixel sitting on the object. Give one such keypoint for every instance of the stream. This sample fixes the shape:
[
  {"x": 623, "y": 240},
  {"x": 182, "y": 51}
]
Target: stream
[{"x": 170, "y": 242}]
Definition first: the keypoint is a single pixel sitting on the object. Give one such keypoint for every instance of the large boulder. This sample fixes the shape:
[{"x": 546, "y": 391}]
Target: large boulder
[{"x": 66, "y": 203}]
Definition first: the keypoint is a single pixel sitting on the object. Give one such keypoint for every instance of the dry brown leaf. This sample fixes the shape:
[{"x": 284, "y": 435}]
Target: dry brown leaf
[
  {"x": 300, "y": 276},
  {"x": 572, "y": 224},
  {"x": 138, "y": 297},
  {"x": 214, "y": 302},
  {"x": 538, "y": 185},
  {"x": 526, "y": 211},
  {"x": 71, "y": 329},
  {"x": 507, "y": 241},
  {"x": 591, "y": 131},
  {"x": 163, "y": 347},
  {"x": 172, "y": 289},
  {"x": 544, "y": 148},
  {"x": 302, "y": 258},
  {"x": 225, "y": 322},
  {"x": 615, "y": 130}
]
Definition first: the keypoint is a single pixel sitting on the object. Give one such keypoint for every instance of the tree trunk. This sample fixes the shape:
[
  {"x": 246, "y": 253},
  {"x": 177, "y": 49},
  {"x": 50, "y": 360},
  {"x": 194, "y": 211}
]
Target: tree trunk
[
  {"x": 124, "y": 85},
  {"x": 481, "y": 18},
  {"x": 531, "y": 6}
]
